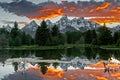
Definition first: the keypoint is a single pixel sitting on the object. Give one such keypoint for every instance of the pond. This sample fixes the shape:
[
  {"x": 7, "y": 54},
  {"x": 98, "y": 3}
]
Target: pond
[{"x": 9, "y": 59}]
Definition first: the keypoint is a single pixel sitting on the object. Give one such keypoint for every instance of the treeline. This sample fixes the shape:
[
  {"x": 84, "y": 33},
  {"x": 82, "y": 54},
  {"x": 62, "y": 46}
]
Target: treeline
[
  {"x": 15, "y": 37},
  {"x": 45, "y": 36}
]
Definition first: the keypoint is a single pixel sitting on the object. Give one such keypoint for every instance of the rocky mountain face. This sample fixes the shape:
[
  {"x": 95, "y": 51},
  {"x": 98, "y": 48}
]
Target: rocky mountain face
[
  {"x": 31, "y": 28},
  {"x": 7, "y": 27},
  {"x": 75, "y": 24},
  {"x": 115, "y": 29},
  {"x": 64, "y": 25}
]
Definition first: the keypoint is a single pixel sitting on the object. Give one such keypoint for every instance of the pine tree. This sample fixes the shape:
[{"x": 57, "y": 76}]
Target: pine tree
[
  {"x": 15, "y": 39},
  {"x": 105, "y": 36},
  {"x": 88, "y": 37},
  {"x": 3, "y": 40},
  {"x": 42, "y": 36},
  {"x": 55, "y": 31},
  {"x": 116, "y": 37},
  {"x": 15, "y": 30}
]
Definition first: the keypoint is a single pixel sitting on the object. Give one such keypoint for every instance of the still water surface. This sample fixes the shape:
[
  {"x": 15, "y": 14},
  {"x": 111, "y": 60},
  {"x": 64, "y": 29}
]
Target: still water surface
[{"x": 90, "y": 53}]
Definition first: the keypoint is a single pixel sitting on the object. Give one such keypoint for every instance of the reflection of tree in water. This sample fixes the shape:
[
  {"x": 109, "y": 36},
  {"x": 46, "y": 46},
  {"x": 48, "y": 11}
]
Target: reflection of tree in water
[
  {"x": 55, "y": 64},
  {"x": 15, "y": 65},
  {"x": 4, "y": 54},
  {"x": 49, "y": 54},
  {"x": 73, "y": 52},
  {"x": 43, "y": 67},
  {"x": 88, "y": 53},
  {"x": 19, "y": 53}
]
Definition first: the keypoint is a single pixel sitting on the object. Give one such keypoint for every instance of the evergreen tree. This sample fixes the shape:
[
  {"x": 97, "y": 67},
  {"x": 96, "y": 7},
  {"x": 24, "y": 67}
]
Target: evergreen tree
[
  {"x": 116, "y": 36},
  {"x": 4, "y": 31},
  {"x": 15, "y": 30},
  {"x": 62, "y": 39},
  {"x": 37, "y": 35},
  {"x": 17, "y": 41},
  {"x": 57, "y": 37},
  {"x": 82, "y": 40},
  {"x": 15, "y": 34},
  {"x": 29, "y": 40},
  {"x": 94, "y": 35},
  {"x": 88, "y": 37},
  {"x": 26, "y": 39},
  {"x": 23, "y": 38},
  {"x": 73, "y": 37},
  {"x": 69, "y": 37},
  {"x": 94, "y": 41},
  {"x": 3, "y": 40},
  {"x": 42, "y": 36},
  {"x": 118, "y": 43},
  {"x": 105, "y": 36},
  {"x": 55, "y": 31},
  {"x": 94, "y": 38}
]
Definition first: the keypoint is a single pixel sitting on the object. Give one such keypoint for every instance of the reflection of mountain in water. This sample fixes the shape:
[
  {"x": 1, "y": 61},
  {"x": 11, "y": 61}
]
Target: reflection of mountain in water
[
  {"x": 27, "y": 75},
  {"x": 74, "y": 55},
  {"x": 57, "y": 73}
]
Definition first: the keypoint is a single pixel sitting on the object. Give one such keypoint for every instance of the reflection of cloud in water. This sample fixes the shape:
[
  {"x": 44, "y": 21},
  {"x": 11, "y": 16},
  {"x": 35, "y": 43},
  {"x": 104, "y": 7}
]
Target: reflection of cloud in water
[
  {"x": 5, "y": 70},
  {"x": 53, "y": 74},
  {"x": 27, "y": 75}
]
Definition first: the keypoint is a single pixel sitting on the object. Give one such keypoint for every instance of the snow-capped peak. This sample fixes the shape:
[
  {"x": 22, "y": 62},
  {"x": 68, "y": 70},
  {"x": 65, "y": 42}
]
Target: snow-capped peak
[
  {"x": 7, "y": 27},
  {"x": 33, "y": 23},
  {"x": 65, "y": 24},
  {"x": 76, "y": 23},
  {"x": 31, "y": 28}
]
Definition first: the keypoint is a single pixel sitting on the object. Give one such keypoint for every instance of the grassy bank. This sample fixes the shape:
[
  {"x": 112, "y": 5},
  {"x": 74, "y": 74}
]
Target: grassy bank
[
  {"x": 35, "y": 47},
  {"x": 110, "y": 47}
]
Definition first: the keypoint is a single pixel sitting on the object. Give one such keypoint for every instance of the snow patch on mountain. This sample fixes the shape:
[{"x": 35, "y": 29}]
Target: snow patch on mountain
[
  {"x": 78, "y": 23},
  {"x": 31, "y": 28},
  {"x": 64, "y": 24},
  {"x": 8, "y": 28}
]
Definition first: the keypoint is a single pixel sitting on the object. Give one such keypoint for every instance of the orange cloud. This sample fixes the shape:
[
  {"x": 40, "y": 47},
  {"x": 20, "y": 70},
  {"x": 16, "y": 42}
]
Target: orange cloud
[
  {"x": 104, "y": 6},
  {"x": 105, "y": 20},
  {"x": 117, "y": 10},
  {"x": 48, "y": 13},
  {"x": 100, "y": 14}
]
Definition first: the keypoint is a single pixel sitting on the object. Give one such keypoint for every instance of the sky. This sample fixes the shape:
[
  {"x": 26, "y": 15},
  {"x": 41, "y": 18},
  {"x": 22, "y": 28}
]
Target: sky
[
  {"x": 39, "y": 1},
  {"x": 10, "y": 18},
  {"x": 7, "y": 17}
]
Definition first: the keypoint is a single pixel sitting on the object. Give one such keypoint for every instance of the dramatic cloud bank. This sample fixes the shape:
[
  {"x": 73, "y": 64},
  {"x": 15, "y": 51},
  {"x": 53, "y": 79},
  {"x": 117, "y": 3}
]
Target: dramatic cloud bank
[{"x": 100, "y": 12}]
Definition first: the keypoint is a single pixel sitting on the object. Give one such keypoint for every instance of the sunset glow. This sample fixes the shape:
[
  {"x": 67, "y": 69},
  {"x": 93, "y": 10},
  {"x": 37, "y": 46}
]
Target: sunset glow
[
  {"x": 48, "y": 13},
  {"x": 98, "y": 74},
  {"x": 104, "y": 13},
  {"x": 105, "y": 5}
]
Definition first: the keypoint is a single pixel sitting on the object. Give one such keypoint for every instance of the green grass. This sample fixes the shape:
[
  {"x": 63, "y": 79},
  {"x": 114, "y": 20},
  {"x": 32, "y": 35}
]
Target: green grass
[
  {"x": 110, "y": 47},
  {"x": 36, "y": 47}
]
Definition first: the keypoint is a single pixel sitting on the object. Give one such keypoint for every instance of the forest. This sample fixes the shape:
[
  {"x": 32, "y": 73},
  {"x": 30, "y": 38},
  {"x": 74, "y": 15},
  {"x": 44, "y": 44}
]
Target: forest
[{"x": 46, "y": 37}]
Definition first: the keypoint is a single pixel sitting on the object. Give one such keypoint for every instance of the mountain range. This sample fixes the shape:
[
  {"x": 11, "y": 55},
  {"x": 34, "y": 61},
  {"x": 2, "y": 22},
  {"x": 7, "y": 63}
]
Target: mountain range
[
  {"x": 31, "y": 28},
  {"x": 65, "y": 24}
]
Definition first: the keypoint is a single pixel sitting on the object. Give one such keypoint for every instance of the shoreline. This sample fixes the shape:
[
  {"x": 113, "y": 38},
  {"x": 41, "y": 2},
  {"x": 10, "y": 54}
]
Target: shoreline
[
  {"x": 66, "y": 46},
  {"x": 35, "y": 47}
]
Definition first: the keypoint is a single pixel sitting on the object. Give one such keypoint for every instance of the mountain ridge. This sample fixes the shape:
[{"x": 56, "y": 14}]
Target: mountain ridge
[{"x": 64, "y": 24}]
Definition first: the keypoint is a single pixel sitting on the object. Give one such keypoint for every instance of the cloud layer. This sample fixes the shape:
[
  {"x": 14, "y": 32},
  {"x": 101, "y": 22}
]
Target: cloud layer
[{"x": 99, "y": 11}]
